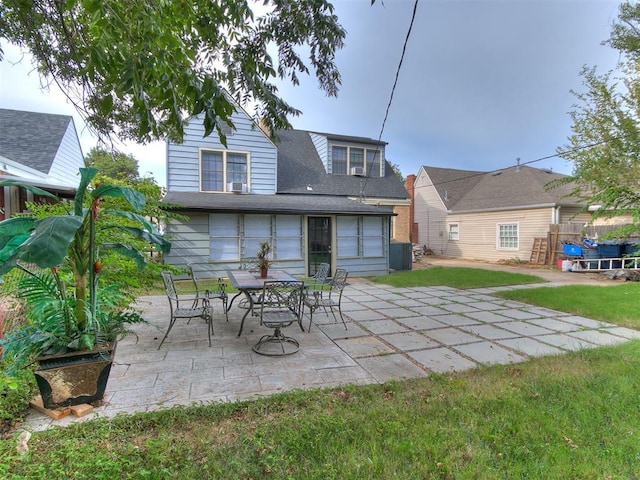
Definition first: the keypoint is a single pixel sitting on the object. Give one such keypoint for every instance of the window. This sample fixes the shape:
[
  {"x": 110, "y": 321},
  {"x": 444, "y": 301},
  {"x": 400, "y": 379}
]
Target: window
[
  {"x": 508, "y": 236},
  {"x": 373, "y": 163},
  {"x": 257, "y": 228},
  {"x": 339, "y": 160},
  {"x": 220, "y": 169},
  {"x": 356, "y": 158},
  {"x": 225, "y": 237},
  {"x": 348, "y": 229},
  {"x": 454, "y": 231},
  {"x": 344, "y": 159},
  {"x": 372, "y": 233},
  {"x": 234, "y": 236},
  {"x": 288, "y": 237}
]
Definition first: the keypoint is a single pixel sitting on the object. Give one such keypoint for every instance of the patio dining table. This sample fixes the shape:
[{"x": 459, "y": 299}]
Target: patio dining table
[{"x": 249, "y": 283}]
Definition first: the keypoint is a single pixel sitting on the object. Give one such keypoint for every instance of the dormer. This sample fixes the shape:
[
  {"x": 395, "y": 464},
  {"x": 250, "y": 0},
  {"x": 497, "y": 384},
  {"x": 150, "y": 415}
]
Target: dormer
[{"x": 346, "y": 155}]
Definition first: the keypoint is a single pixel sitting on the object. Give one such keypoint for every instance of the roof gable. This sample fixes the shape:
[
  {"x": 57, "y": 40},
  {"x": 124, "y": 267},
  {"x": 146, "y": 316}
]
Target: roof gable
[
  {"x": 31, "y": 138},
  {"x": 300, "y": 171},
  {"x": 518, "y": 186}
]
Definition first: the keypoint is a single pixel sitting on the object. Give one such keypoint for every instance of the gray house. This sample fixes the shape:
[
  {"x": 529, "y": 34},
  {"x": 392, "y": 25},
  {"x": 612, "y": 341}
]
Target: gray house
[
  {"x": 40, "y": 149},
  {"x": 316, "y": 197}
]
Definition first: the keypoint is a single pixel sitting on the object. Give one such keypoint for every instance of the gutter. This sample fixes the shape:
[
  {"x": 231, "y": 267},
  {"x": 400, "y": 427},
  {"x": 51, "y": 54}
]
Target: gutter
[{"x": 515, "y": 207}]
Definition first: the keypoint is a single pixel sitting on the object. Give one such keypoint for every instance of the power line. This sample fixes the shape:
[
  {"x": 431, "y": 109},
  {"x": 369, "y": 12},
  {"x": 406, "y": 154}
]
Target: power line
[
  {"x": 557, "y": 154},
  {"x": 393, "y": 89}
]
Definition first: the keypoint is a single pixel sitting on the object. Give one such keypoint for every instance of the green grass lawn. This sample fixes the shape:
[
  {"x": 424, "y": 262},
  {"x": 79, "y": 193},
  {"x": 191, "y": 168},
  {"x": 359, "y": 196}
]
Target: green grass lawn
[
  {"x": 570, "y": 417},
  {"x": 616, "y": 303},
  {"x": 573, "y": 416},
  {"x": 455, "y": 277}
]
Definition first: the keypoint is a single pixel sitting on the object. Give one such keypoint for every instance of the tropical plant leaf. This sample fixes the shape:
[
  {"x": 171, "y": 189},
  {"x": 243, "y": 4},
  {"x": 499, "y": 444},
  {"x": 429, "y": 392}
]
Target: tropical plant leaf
[
  {"x": 127, "y": 251},
  {"x": 30, "y": 188},
  {"x": 163, "y": 245},
  {"x": 50, "y": 242},
  {"x": 150, "y": 227},
  {"x": 86, "y": 175},
  {"x": 133, "y": 197}
]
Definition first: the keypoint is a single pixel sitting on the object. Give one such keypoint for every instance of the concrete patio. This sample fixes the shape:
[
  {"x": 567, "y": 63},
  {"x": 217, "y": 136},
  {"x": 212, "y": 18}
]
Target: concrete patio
[{"x": 393, "y": 333}]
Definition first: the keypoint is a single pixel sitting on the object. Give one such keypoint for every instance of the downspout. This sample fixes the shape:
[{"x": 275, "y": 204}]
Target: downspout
[{"x": 555, "y": 216}]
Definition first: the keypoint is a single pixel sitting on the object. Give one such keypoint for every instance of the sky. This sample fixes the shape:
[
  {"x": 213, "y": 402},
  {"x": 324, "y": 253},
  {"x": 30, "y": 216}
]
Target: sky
[{"x": 482, "y": 82}]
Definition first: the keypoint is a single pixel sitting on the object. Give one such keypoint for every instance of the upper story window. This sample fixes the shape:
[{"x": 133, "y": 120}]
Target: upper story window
[
  {"x": 355, "y": 161},
  {"x": 224, "y": 171}
]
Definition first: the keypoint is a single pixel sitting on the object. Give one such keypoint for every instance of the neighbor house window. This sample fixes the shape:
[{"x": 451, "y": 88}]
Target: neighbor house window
[
  {"x": 223, "y": 171},
  {"x": 454, "y": 231},
  {"x": 508, "y": 236},
  {"x": 349, "y": 160}
]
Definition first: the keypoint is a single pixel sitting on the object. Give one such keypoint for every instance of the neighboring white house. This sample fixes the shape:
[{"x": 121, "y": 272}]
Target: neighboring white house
[
  {"x": 316, "y": 197},
  {"x": 489, "y": 215},
  {"x": 40, "y": 149}
]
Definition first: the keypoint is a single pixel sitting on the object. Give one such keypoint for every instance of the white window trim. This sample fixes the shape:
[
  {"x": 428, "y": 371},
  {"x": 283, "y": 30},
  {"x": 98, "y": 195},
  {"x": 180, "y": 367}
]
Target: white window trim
[
  {"x": 224, "y": 168},
  {"x": 511, "y": 249},
  {"x": 457, "y": 232},
  {"x": 366, "y": 163}
]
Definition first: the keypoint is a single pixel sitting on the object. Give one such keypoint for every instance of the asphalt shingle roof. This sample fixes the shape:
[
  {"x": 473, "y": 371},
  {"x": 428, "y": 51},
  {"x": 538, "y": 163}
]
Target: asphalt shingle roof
[
  {"x": 299, "y": 167},
  {"x": 319, "y": 204},
  {"x": 520, "y": 186},
  {"x": 31, "y": 138}
]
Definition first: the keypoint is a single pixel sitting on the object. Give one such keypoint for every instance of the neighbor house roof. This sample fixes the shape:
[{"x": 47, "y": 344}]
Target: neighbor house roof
[
  {"x": 31, "y": 138},
  {"x": 320, "y": 204},
  {"x": 301, "y": 171},
  {"x": 518, "y": 186}
]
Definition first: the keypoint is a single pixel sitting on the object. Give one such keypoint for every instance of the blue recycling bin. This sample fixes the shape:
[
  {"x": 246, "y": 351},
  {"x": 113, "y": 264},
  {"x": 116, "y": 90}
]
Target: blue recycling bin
[{"x": 610, "y": 249}]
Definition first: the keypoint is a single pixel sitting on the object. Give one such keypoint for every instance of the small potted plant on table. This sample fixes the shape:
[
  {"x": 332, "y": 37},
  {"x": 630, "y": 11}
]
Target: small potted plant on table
[
  {"x": 72, "y": 324},
  {"x": 262, "y": 259}
]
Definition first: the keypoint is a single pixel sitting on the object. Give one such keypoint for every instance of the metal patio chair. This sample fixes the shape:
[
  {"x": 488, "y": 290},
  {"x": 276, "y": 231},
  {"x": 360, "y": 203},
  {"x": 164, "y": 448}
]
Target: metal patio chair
[
  {"x": 331, "y": 300},
  {"x": 218, "y": 293},
  {"x": 280, "y": 307},
  {"x": 196, "y": 308}
]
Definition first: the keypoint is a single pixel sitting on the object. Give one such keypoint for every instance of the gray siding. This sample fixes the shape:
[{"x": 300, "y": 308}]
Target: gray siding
[
  {"x": 322, "y": 147},
  {"x": 191, "y": 244},
  {"x": 183, "y": 170},
  {"x": 68, "y": 159}
]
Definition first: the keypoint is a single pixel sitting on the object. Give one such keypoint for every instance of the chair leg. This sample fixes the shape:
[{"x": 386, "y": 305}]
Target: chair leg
[
  {"x": 171, "y": 322},
  {"x": 341, "y": 317}
]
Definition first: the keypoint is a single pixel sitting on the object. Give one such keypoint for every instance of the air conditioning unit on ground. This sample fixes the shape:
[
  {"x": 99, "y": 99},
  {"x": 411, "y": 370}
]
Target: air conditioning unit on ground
[
  {"x": 237, "y": 187},
  {"x": 357, "y": 171}
]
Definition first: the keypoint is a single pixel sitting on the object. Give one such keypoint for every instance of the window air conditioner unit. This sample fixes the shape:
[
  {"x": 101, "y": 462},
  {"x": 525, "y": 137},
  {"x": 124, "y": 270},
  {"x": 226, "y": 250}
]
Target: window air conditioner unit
[
  {"x": 237, "y": 187},
  {"x": 357, "y": 171}
]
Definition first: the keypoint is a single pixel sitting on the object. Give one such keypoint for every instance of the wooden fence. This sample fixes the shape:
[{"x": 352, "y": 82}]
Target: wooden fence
[{"x": 562, "y": 233}]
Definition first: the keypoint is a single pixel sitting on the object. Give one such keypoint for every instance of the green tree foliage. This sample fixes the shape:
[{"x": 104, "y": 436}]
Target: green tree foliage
[
  {"x": 605, "y": 144},
  {"x": 138, "y": 69},
  {"x": 113, "y": 164}
]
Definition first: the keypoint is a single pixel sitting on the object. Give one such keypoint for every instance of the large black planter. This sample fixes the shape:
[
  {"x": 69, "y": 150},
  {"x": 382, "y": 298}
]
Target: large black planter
[{"x": 74, "y": 378}]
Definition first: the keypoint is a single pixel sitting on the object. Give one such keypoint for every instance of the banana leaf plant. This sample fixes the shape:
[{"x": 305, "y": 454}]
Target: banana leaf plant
[{"x": 69, "y": 240}]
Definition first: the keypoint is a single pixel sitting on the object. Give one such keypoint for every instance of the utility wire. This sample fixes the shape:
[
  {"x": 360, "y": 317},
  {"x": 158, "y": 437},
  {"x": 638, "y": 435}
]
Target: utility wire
[
  {"x": 393, "y": 89},
  {"x": 558, "y": 154}
]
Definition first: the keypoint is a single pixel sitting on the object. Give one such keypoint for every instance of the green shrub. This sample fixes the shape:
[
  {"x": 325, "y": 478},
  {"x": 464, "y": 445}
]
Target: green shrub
[{"x": 15, "y": 394}]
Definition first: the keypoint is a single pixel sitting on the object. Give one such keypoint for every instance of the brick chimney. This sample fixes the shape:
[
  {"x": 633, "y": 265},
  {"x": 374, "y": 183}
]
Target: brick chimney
[{"x": 409, "y": 184}]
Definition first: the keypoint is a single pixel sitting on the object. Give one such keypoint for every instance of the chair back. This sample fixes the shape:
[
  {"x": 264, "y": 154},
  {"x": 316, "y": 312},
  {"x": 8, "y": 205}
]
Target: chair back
[
  {"x": 170, "y": 288},
  {"x": 338, "y": 282},
  {"x": 320, "y": 277},
  {"x": 279, "y": 296},
  {"x": 248, "y": 263},
  {"x": 194, "y": 279}
]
